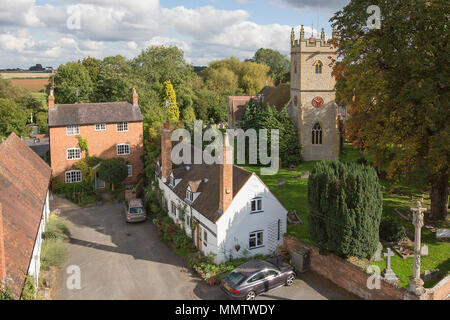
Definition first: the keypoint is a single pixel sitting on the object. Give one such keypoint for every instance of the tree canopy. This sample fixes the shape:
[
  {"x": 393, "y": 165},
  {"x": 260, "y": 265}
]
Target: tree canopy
[
  {"x": 394, "y": 81},
  {"x": 278, "y": 63},
  {"x": 113, "y": 171}
]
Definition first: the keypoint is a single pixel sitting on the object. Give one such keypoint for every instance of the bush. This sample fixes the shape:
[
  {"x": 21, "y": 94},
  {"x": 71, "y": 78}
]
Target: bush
[
  {"x": 53, "y": 253},
  {"x": 72, "y": 190},
  {"x": 56, "y": 228},
  {"x": 29, "y": 289},
  {"x": 391, "y": 230},
  {"x": 345, "y": 202}
]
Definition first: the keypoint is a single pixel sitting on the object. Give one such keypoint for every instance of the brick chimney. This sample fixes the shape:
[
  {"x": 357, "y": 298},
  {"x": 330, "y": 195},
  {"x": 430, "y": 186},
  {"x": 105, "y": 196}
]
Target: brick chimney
[
  {"x": 226, "y": 176},
  {"x": 2, "y": 249},
  {"x": 166, "y": 150},
  {"x": 51, "y": 99},
  {"x": 134, "y": 97}
]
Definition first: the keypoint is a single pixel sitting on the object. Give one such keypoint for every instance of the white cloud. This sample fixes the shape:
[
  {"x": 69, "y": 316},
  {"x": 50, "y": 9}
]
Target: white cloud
[{"x": 110, "y": 27}]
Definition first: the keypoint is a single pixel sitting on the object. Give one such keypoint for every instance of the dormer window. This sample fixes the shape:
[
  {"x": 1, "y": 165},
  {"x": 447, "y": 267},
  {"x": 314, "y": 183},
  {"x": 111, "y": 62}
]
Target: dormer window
[
  {"x": 171, "y": 180},
  {"x": 189, "y": 195}
]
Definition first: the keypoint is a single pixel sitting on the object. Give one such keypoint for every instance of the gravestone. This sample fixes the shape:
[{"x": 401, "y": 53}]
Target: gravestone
[
  {"x": 305, "y": 174},
  {"x": 377, "y": 256},
  {"x": 424, "y": 250},
  {"x": 443, "y": 234}
]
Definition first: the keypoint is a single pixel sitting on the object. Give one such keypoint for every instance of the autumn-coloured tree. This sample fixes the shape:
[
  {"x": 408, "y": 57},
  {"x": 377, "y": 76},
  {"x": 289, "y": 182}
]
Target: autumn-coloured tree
[
  {"x": 395, "y": 82},
  {"x": 169, "y": 100}
]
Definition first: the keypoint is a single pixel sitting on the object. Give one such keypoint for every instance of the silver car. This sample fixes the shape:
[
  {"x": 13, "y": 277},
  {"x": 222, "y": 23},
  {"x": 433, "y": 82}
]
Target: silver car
[{"x": 134, "y": 210}]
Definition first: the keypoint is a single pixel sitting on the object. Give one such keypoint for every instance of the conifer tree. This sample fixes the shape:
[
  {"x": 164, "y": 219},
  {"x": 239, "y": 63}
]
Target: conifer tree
[
  {"x": 345, "y": 204},
  {"x": 169, "y": 101}
]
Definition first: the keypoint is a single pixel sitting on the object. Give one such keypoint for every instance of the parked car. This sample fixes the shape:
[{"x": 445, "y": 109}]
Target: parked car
[
  {"x": 134, "y": 210},
  {"x": 256, "y": 277}
]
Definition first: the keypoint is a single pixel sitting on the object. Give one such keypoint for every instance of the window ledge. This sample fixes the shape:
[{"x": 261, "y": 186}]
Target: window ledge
[
  {"x": 258, "y": 247},
  {"x": 253, "y": 212}
]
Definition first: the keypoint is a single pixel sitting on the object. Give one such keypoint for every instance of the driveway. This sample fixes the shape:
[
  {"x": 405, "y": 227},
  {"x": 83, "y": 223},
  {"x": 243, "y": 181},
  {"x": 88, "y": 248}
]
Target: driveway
[{"x": 128, "y": 261}]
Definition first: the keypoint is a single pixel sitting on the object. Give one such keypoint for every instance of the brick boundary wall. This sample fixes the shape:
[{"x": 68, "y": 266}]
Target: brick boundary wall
[
  {"x": 354, "y": 279},
  {"x": 441, "y": 291},
  {"x": 345, "y": 274}
]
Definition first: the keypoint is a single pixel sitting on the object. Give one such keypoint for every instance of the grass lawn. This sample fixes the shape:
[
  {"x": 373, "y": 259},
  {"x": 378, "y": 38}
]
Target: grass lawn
[{"x": 294, "y": 197}]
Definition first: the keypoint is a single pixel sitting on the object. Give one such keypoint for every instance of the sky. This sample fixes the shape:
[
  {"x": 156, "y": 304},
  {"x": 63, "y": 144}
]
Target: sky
[{"x": 58, "y": 31}]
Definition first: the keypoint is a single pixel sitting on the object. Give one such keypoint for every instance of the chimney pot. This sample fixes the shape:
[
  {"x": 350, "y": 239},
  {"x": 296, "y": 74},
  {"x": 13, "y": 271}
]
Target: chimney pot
[
  {"x": 51, "y": 99},
  {"x": 134, "y": 97},
  {"x": 226, "y": 176},
  {"x": 166, "y": 150}
]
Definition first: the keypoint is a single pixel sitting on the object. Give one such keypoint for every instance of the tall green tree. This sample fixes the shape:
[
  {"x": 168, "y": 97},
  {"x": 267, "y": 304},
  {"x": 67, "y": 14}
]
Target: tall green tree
[
  {"x": 256, "y": 116},
  {"x": 113, "y": 171},
  {"x": 13, "y": 118},
  {"x": 278, "y": 63},
  {"x": 73, "y": 83},
  {"x": 395, "y": 81},
  {"x": 345, "y": 207}
]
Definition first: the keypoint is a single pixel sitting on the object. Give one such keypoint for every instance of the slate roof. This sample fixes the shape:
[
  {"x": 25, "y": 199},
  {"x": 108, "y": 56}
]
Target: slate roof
[
  {"x": 91, "y": 113},
  {"x": 24, "y": 181},
  {"x": 207, "y": 203}
]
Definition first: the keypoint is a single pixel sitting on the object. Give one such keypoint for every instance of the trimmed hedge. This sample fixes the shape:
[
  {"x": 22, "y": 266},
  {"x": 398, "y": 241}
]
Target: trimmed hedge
[{"x": 345, "y": 202}]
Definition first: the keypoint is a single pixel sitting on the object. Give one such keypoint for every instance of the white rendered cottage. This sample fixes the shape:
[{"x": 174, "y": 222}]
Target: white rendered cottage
[{"x": 229, "y": 211}]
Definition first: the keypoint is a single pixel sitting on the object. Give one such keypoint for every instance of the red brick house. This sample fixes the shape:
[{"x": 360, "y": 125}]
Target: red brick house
[
  {"x": 112, "y": 130},
  {"x": 24, "y": 210}
]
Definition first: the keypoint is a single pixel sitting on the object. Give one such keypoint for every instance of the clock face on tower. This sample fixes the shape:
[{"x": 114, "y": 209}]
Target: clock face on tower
[{"x": 317, "y": 102}]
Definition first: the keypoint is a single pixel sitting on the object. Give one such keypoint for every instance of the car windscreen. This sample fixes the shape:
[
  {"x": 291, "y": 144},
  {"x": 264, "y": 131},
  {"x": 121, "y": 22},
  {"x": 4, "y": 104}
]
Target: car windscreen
[
  {"x": 235, "y": 278},
  {"x": 136, "y": 210}
]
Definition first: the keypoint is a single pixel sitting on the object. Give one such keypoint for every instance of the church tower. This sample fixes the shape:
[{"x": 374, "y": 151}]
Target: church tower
[{"x": 312, "y": 105}]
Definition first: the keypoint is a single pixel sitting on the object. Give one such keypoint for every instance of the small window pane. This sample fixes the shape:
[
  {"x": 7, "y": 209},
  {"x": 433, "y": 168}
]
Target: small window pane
[{"x": 122, "y": 126}]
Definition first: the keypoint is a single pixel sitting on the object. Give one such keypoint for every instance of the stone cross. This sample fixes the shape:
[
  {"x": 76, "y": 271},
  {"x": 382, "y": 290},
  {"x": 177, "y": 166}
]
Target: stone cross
[
  {"x": 388, "y": 255},
  {"x": 416, "y": 283},
  {"x": 388, "y": 273}
]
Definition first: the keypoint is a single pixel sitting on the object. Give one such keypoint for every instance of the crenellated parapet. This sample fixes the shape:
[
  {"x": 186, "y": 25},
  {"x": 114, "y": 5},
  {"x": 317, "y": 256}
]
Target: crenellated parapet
[{"x": 309, "y": 42}]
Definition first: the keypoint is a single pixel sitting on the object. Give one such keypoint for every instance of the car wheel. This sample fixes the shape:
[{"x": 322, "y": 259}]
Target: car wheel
[
  {"x": 251, "y": 295},
  {"x": 290, "y": 279}
]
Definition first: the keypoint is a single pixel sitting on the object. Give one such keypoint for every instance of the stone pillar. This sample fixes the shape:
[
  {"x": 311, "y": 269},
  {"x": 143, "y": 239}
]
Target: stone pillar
[{"x": 415, "y": 287}]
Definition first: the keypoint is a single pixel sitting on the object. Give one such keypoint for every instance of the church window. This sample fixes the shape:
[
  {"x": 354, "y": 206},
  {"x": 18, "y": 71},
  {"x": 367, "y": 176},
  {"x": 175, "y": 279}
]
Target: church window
[
  {"x": 318, "y": 66},
  {"x": 317, "y": 134}
]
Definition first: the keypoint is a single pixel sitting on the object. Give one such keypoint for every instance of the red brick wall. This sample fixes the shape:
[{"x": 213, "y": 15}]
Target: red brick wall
[
  {"x": 2, "y": 249},
  {"x": 346, "y": 275},
  {"x": 440, "y": 291},
  {"x": 101, "y": 144}
]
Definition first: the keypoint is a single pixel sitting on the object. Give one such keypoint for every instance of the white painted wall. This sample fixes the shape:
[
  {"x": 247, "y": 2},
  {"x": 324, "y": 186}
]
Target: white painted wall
[
  {"x": 236, "y": 224},
  {"x": 35, "y": 263}
]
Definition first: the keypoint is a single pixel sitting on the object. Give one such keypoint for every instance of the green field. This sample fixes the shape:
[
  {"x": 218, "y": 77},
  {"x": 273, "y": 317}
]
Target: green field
[{"x": 294, "y": 197}]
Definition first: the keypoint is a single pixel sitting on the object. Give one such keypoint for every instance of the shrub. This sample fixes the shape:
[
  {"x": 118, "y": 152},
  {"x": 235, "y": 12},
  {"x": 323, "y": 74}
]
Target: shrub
[
  {"x": 6, "y": 293},
  {"x": 53, "y": 253},
  {"x": 391, "y": 230},
  {"x": 29, "y": 290},
  {"x": 113, "y": 171},
  {"x": 56, "y": 228},
  {"x": 345, "y": 202}
]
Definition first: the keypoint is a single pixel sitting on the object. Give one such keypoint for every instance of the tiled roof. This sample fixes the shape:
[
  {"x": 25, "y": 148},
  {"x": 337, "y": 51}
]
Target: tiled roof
[
  {"x": 91, "y": 113},
  {"x": 204, "y": 178},
  {"x": 24, "y": 181}
]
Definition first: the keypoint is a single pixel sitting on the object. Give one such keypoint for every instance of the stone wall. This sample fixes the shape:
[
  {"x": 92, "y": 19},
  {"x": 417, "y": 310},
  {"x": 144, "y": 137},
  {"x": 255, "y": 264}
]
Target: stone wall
[{"x": 345, "y": 274}]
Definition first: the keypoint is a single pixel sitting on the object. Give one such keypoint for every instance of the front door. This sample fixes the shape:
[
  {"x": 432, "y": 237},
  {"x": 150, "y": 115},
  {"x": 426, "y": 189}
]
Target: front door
[{"x": 99, "y": 183}]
